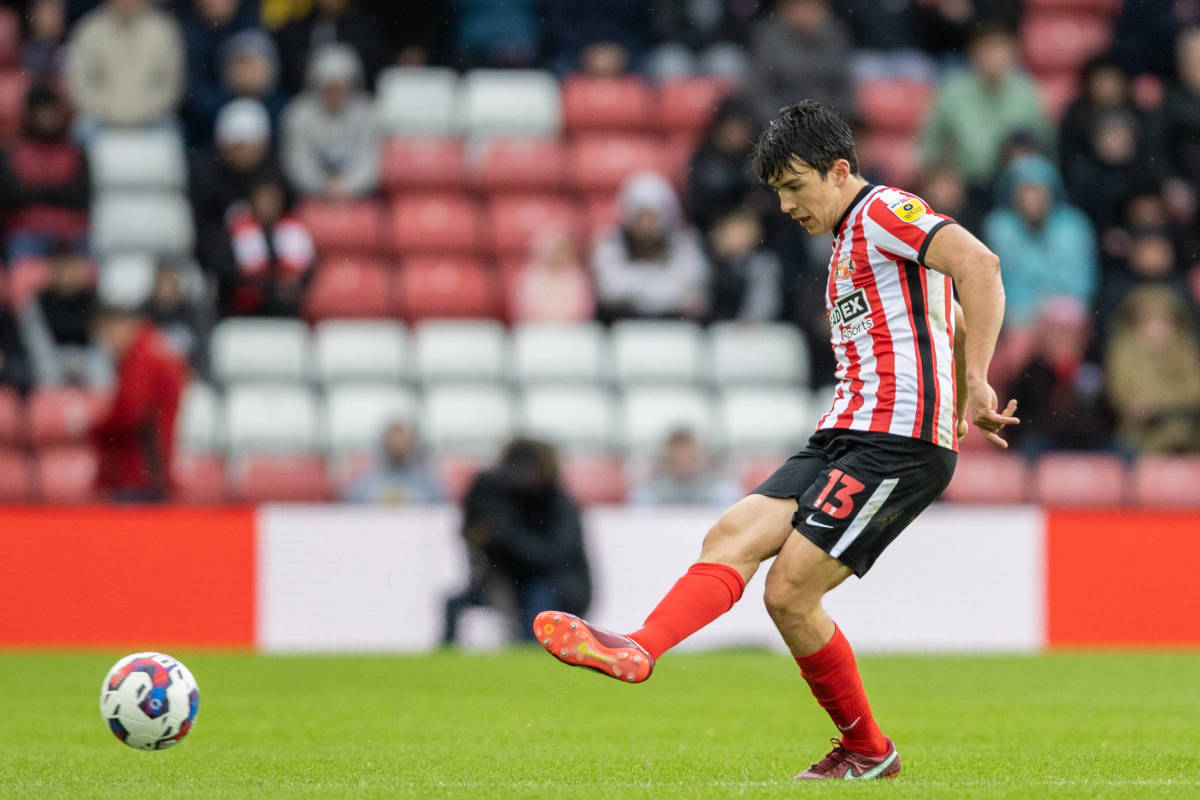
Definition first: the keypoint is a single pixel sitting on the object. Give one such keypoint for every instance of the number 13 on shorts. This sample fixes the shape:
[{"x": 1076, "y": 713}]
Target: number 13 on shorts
[{"x": 843, "y": 489}]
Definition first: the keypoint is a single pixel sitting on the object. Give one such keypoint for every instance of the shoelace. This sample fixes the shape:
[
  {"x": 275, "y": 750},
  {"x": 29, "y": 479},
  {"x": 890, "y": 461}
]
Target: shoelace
[{"x": 835, "y": 756}]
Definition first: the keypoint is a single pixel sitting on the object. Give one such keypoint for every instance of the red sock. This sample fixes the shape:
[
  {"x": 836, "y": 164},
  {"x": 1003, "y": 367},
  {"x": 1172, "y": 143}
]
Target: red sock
[
  {"x": 704, "y": 593},
  {"x": 832, "y": 674}
]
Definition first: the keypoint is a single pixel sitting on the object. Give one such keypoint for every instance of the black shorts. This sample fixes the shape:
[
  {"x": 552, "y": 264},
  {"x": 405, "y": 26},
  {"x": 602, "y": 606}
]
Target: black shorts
[{"x": 858, "y": 490}]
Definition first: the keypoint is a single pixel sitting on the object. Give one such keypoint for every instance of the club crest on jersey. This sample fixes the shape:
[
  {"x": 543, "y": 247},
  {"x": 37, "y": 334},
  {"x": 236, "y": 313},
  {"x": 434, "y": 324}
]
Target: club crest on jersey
[
  {"x": 844, "y": 269},
  {"x": 909, "y": 210},
  {"x": 851, "y": 314}
]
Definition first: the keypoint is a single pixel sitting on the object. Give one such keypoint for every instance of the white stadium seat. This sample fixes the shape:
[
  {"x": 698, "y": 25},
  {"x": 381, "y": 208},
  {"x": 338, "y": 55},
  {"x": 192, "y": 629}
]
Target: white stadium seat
[
  {"x": 247, "y": 349},
  {"x": 575, "y": 418},
  {"x": 765, "y": 421},
  {"x": 360, "y": 350},
  {"x": 651, "y": 351},
  {"x": 153, "y": 222},
  {"x": 471, "y": 350},
  {"x": 150, "y": 159},
  {"x": 559, "y": 352},
  {"x": 127, "y": 279},
  {"x": 199, "y": 428},
  {"x": 416, "y": 101},
  {"x": 757, "y": 353},
  {"x": 265, "y": 418},
  {"x": 357, "y": 415},
  {"x": 649, "y": 414},
  {"x": 509, "y": 102},
  {"x": 467, "y": 418}
]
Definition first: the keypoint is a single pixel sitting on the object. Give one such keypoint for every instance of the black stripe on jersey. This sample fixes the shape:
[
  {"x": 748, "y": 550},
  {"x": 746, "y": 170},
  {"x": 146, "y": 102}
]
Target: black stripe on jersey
[
  {"x": 929, "y": 238},
  {"x": 912, "y": 276}
]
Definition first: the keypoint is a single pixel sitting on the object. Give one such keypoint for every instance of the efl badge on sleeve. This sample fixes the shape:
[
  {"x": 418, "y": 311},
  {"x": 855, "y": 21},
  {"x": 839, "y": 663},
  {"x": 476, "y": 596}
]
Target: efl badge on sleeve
[{"x": 908, "y": 210}]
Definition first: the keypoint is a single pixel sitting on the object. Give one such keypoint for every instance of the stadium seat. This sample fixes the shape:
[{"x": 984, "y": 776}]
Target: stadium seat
[
  {"x": 126, "y": 280},
  {"x": 761, "y": 420},
  {"x": 288, "y": 479},
  {"x": 599, "y": 163},
  {"x": 748, "y": 353},
  {"x": 198, "y": 428},
  {"x": 897, "y": 156},
  {"x": 358, "y": 414},
  {"x": 252, "y": 348},
  {"x": 432, "y": 287},
  {"x": 435, "y": 223},
  {"x": 16, "y": 481},
  {"x": 600, "y": 213},
  {"x": 63, "y": 415},
  {"x": 1056, "y": 90},
  {"x": 576, "y": 418},
  {"x": 1058, "y": 41},
  {"x": 150, "y": 159},
  {"x": 595, "y": 480},
  {"x": 514, "y": 221},
  {"x": 275, "y": 419},
  {"x": 424, "y": 163},
  {"x": 348, "y": 287},
  {"x": 1079, "y": 479},
  {"x": 360, "y": 350},
  {"x": 753, "y": 471},
  {"x": 343, "y": 228},
  {"x": 1167, "y": 482},
  {"x": 457, "y": 473},
  {"x": 512, "y": 165},
  {"x": 895, "y": 105},
  {"x": 200, "y": 479},
  {"x": 416, "y": 101},
  {"x": 66, "y": 474},
  {"x": 649, "y": 414},
  {"x": 10, "y": 37},
  {"x": 13, "y": 86},
  {"x": 26, "y": 277},
  {"x": 141, "y": 221},
  {"x": 688, "y": 104},
  {"x": 467, "y": 418},
  {"x": 676, "y": 160},
  {"x": 509, "y": 102},
  {"x": 12, "y": 426},
  {"x": 559, "y": 352},
  {"x": 470, "y": 350},
  {"x": 606, "y": 104},
  {"x": 653, "y": 351},
  {"x": 989, "y": 477}
]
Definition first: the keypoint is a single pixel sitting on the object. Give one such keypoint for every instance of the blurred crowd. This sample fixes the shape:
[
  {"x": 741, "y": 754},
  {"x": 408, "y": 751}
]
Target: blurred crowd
[{"x": 1081, "y": 176}]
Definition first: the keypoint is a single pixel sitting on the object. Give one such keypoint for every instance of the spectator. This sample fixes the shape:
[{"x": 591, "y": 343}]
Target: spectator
[
  {"x": 135, "y": 441},
  {"x": 273, "y": 255},
  {"x": 888, "y": 39},
  {"x": 596, "y": 36},
  {"x": 702, "y": 38},
  {"x": 652, "y": 264},
  {"x": 747, "y": 277},
  {"x": 976, "y": 110},
  {"x": 1151, "y": 259},
  {"x": 331, "y": 144},
  {"x": 1145, "y": 31},
  {"x": 1060, "y": 391},
  {"x": 1179, "y": 117},
  {"x": 250, "y": 69},
  {"x": 15, "y": 370},
  {"x": 179, "y": 320},
  {"x": 416, "y": 31},
  {"x": 108, "y": 84},
  {"x": 801, "y": 51},
  {"x": 1047, "y": 247},
  {"x": 946, "y": 190},
  {"x": 1153, "y": 369},
  {"x": 524, "y": 538},
  {"x": 44, "y": 55},
  {"x": 1113, "y": 165},
  {"x": 208, "y": 25},
  {"x": 399, "y": 475},
  {"x": 488, "y": 34},
  {"x": 949, "y": 24},
  {"x": 55, "y": 324},
  {"x": 1103, "y": 88},
  {"x": 44, "y": 178},
  {"x": 720, "y": 177},
  {"x": 682, "y": 478},
  {"x": 554, "y": 285},
  {"x": 329, "y": 22}
]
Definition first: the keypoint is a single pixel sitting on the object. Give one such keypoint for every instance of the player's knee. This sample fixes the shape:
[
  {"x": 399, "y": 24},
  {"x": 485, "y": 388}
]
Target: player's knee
[{"x": 787, "y": 599}]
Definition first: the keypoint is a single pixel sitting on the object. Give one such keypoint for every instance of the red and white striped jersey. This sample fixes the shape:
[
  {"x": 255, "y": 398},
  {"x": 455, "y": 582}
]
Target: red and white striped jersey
[{"x": 891, "y": 321}]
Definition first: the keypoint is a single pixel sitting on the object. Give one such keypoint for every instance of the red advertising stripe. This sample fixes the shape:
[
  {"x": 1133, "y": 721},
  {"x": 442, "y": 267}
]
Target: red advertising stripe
[
  {"x": 1122, "y": 578},
  {"x": 127, "y": 577}
]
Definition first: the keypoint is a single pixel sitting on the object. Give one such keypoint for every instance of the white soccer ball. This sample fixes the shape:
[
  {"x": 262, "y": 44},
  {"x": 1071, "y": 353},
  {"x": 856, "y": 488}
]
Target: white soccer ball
[{"x": 149, "y": 700}]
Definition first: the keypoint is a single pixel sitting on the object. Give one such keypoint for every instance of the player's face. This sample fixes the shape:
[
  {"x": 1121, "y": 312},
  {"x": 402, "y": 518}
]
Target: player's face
[{"x": 808, "y": 197}]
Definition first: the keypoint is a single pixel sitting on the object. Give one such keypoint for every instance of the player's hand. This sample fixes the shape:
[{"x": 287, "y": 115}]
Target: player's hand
[
  {"x": 983, "y": 404},
  {"x": 963, "y": 427}
]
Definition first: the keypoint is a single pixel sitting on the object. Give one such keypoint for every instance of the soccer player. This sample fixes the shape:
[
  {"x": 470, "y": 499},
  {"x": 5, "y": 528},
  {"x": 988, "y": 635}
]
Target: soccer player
[{"x": 911, "y": 369}]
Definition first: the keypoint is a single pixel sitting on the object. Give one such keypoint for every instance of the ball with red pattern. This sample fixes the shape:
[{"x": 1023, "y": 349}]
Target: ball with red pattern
[{"x": 149, "y": 700}]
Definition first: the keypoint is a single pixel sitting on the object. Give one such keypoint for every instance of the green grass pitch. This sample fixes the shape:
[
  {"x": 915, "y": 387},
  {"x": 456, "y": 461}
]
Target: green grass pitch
[{"x": 516, "y": 724}]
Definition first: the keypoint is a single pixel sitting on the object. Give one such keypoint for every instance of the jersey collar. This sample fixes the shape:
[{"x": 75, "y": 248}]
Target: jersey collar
[{"x": 858, "y": 198}]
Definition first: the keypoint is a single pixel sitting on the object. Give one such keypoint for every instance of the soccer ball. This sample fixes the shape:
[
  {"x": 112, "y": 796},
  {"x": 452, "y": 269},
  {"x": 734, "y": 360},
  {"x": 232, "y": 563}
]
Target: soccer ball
[{"x": 149, "y": 700}]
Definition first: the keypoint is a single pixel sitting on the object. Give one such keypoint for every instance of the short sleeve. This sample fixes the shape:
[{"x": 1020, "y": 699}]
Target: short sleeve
[{"x": 902, "y": 224}]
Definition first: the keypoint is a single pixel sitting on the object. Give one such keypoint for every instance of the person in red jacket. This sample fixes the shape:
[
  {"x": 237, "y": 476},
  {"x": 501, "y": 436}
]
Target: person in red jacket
[{"x": 136, "y": 439}]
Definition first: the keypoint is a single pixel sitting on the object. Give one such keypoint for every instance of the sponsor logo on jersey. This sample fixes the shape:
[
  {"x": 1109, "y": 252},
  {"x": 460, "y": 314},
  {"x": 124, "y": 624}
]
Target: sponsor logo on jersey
[
  {"x": 851, "y": 314},
  {"x": 909, "y": 210},
  {"x": 845, "y": 268}
]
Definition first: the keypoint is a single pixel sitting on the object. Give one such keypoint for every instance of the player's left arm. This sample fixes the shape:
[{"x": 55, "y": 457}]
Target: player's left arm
[{"x": 954, "y": 251}]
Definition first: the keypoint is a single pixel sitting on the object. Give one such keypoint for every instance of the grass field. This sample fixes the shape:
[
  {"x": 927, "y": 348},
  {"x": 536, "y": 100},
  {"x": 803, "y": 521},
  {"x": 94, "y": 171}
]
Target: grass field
[{"x": 519, "y": 725}]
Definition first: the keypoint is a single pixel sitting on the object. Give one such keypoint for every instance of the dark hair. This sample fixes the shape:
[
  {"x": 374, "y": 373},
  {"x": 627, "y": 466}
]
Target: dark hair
[{"x": 811, "y": 132}]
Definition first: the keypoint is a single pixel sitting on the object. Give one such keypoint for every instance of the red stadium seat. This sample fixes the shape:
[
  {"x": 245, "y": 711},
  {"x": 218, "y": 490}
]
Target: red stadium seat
[
  {"x": 66, "y": 474},
  {"x": 456, "y": 474},
  {"x": 898, "y": 157},
  {"x": 16, "y": 481},
  {"x": 988, "y": 477},
  {"x": 290, "y": 478},
  {"x": 677, "y": 159},
  {"x": 1054, "y": 41},
  {"x": 688, "y": 104},
  {"x": 346, "y": 469},
  {"x": 348, "y": 287},
  {"x": 1079, "y": 479},
  {"x": 351, "y": 227},
  {"x": 600, "y": 213},
  {"x": 11, "y": 424},
  {"x": 445, "y": 287},
  {"x": 13, "y": 85},
  {"x": 601, "y": 163},
  {"x": 423, "y": 164},
  {"x": 1167, "y": 482},
  {"x": 27, "y": 277},
  {"x": 595, "y": 480},
  {"x": 515, "y": 220},
  {"x": 606, "y": 104},
  {"x": 522, "y": 165},
  {"x": 199, "y": 479},
  {"x": 10, "y": 37},
  {"x": 1057, "y": 90},
  {"x": 435, "y": 223},
  {"x": 754, "y": 472},
  {"x": 893, "y": 105},
  {"x": 58, "y": 416}
]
